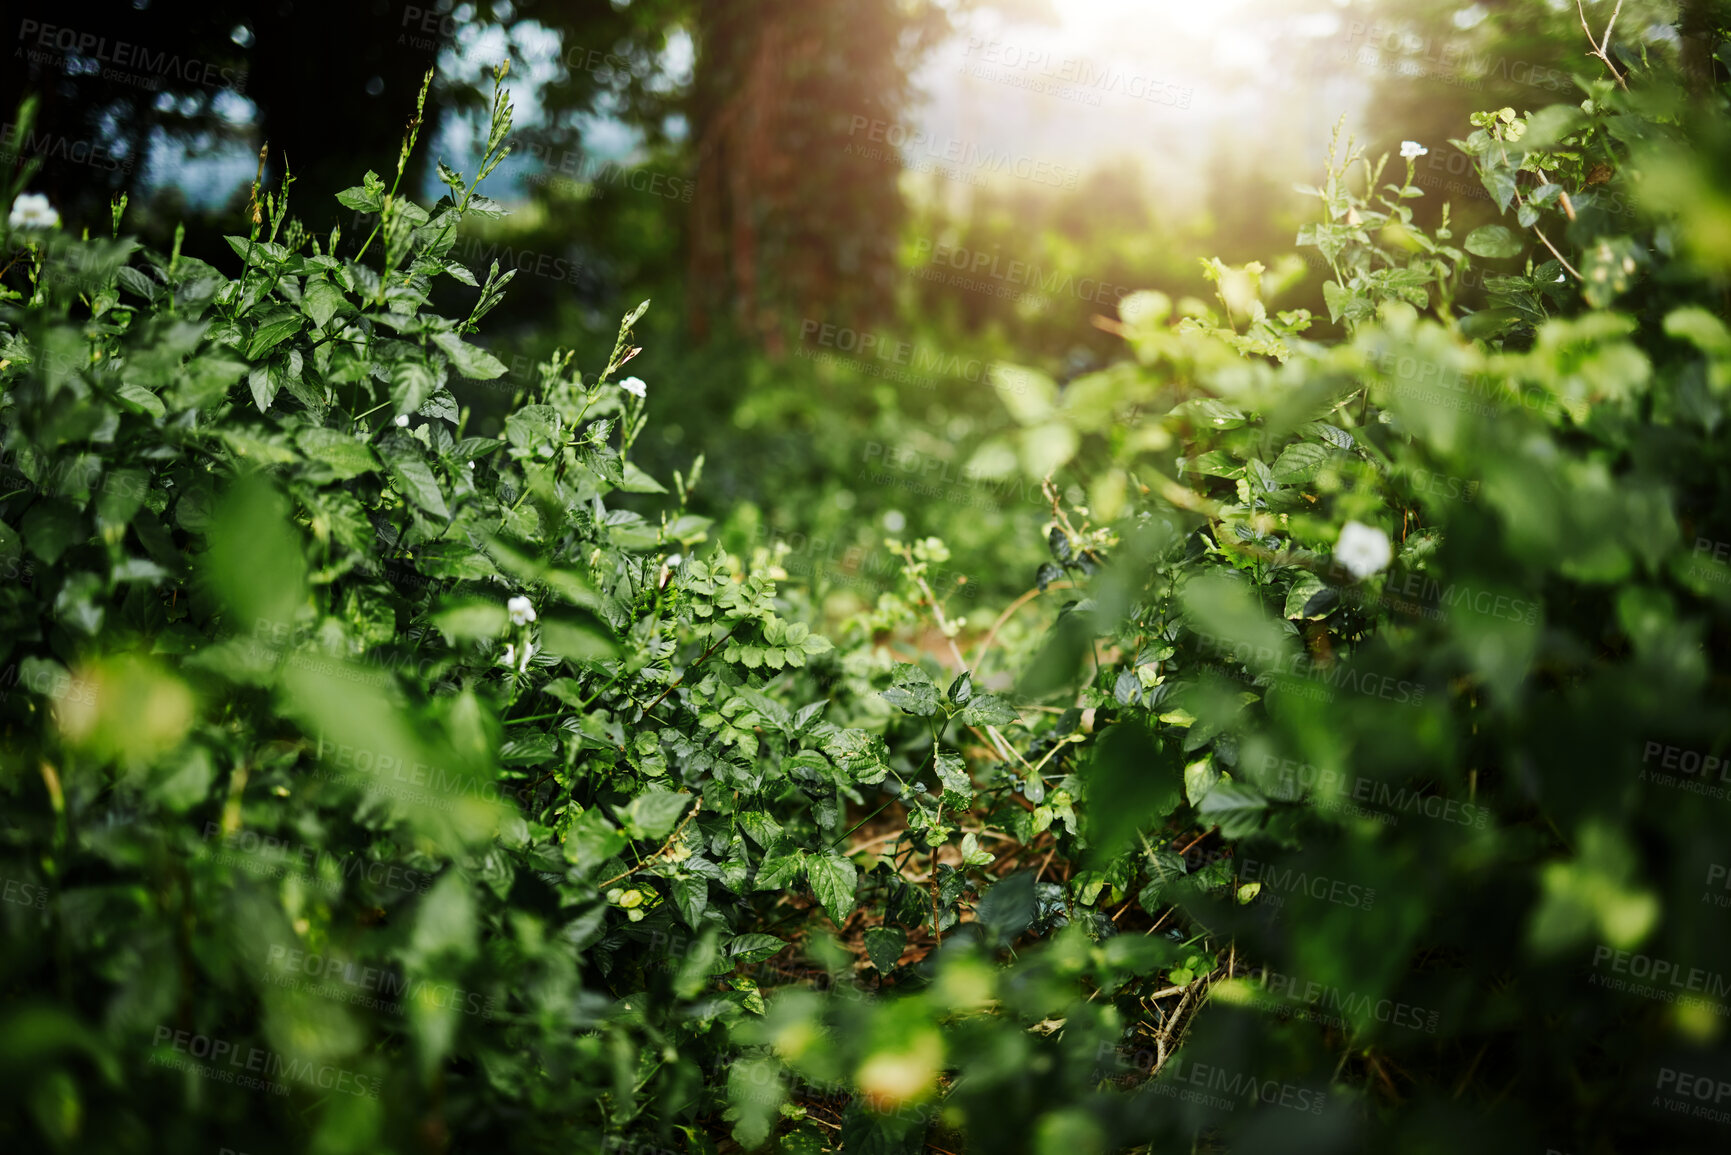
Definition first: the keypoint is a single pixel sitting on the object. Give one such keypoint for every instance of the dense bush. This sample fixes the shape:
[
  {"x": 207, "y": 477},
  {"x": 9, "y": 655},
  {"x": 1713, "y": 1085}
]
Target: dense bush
[{"x": 1342, "y": 783}]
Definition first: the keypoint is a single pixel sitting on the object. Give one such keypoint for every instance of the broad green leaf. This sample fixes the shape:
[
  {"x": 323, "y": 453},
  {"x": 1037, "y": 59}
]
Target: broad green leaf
[
  {"x": 471, "y": 621},
  {"x": 833, "y": 879},
  {"x": 884, "y": 946},
  {"x": 471, "y": 361},
  {"x": 1236, "y": 808},
  {"x": 416, "y": 481},
  {"x": 577, "y": 639},
  {"x": 912, "y": 689},
  {"x": 654, "y": 813},
  {"x": 341, "y": 455},
  {"x": 276, "y": 327},
  {"x": 1494, "y": 242}
]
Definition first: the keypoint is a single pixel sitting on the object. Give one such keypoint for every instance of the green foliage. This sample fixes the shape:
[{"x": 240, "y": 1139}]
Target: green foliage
[{"x": 376, "y": 786}]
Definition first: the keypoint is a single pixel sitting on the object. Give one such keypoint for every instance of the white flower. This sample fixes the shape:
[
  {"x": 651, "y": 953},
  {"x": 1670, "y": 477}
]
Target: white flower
[
  {"x": 634, "y": 386},
  {"x": 1410, "y": 149},
  {"x": 522, "y": 613},
  {"x": 675, "y": 560},
  {"x": 32, "y": 211},
  {"x": 402, "y": 421},
  {"x": 1362, "y": 549}
]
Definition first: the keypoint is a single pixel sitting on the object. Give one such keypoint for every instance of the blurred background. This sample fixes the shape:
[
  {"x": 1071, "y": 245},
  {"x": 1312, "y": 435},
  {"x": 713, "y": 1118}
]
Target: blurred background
[{"x": 843, "y": 212}]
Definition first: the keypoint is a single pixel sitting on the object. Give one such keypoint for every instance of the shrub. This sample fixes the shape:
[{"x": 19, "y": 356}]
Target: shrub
[{"x": 428, "y": 793}]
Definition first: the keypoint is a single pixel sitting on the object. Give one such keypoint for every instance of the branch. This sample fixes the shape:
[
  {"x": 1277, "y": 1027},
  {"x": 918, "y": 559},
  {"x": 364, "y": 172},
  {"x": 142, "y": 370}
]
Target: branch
[
  {"x": 672, "y": 840},
  {"x": 1602, "y": 49}
]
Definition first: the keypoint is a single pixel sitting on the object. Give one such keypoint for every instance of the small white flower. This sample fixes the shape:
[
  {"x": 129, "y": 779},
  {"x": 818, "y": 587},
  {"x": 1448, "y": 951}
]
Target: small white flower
[
  {"x": 510, "y": 658},
  {"x": 1411, "y": 149},
  {"x": 522, "y": 613},
  {"x": 402, "y": 421},
  {"x": 675, "y": 560},
  {"x": 1362, "y": 549},
  {"x": 634, "y": 386},
  {"x": 32, "y": 211}
]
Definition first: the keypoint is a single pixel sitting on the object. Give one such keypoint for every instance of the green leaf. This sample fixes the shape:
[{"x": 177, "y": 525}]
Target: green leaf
[
  {"x": 255, "y": 560},
  {"x": 321, "y": 300},
  {"x": 1236, "y": 808},
  {"x": 265, "y": 385},
  {"x": 1494, "y": 242},
  {"x": 143, "y": 398},
  {"x": 654, "y": 813},
  {"x": 472, "y": 362},
  {"x": 833, "y": 879},
  {"x": 51, "y": 527},
  {"x": 578, "y": 639},
  {"x": 445, "y": 923},
  {"x": 952, "y": 771},
  {"x": 412, "y": 382},
  {"x": 884, "y": 946},
  {"x": 1300, "y": 462},
  {"x": 416, "y": 481},
  {"x": 962, "y": 689},
  {"x": 988, "y": 710},
  {"x": 278, "y": 326},
  {"x": 1008, "y": 908},
  {"x": 1200, "y": 778},
  {"x": 912, "y": 689},
  {"x": 364, "y": 198},
  {"x": 778, "y": 871},
  {"x": 591, "y": 840},
  {"x": 1308, "y": 597},
  {"x": 342, "y": 456},
  {"x": 751, "y": 949},
  {"x": 637, "y": 481},
  {"x": 471, "y": 621}
]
